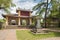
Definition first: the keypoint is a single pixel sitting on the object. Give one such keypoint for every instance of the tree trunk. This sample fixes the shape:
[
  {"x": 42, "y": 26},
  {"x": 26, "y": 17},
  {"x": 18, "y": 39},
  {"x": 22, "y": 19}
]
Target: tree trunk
[{"x": 46, "y": 13}]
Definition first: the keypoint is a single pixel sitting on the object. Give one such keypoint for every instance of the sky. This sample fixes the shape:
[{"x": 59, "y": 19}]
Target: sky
[{"x": 24, "y": 4}]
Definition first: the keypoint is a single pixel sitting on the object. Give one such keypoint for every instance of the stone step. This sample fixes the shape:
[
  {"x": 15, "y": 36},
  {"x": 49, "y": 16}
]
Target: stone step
[
  {"x": 11, "y": 26},
  {"x": 16, "y": 27}
]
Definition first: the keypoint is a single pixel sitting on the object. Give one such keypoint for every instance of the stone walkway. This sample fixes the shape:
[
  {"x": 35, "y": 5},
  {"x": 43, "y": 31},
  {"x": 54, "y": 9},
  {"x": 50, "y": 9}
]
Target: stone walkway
[
  {"x": 9, "y": 34},
  {"x": 52, "y": 38}
]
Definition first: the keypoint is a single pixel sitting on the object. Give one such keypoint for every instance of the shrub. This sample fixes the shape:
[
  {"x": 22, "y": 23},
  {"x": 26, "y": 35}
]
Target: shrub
[
  {"x": 1, "y": 23},
  {"x": 32, "y": 25}
]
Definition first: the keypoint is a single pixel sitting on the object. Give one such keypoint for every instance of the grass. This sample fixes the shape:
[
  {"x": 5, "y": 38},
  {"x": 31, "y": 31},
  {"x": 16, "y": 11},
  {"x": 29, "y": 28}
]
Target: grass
[{"x": 27, "y": 35}]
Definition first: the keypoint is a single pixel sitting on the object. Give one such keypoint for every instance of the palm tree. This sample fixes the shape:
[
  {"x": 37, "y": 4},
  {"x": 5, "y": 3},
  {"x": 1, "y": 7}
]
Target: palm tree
[
  {"x": 6, "y": 4},
  {"x": 43, "y": 7},
  {"x": 39, "y": 8},
  {"x": 46, "y": 12}
]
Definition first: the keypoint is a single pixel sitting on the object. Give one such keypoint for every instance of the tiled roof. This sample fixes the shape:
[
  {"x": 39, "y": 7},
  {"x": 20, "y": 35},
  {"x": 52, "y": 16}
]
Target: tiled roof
[
  {"x": 24, "y": 9},
  {"x": 14, "y": 15}
]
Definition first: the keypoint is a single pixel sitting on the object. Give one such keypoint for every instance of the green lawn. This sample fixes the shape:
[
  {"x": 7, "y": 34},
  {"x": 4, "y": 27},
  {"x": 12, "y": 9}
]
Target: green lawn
[{"x": 27, "y": 35}]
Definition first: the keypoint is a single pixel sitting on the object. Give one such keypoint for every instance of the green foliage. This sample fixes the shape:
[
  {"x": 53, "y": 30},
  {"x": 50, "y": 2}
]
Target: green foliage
[
  {"x": 33, "y": 24},
  {"x": 2, "y": 20},
  {"x": 54, "y": 9},
  {"x": 43, "y": 7},
  {"x": 39, "y": 8},
  {"x": 6, "y": 4}
]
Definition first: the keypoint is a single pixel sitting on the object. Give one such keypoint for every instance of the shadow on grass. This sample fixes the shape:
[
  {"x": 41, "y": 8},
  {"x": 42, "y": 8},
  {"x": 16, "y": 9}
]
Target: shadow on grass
[
  {"x": 50, "y": 33},
  {"x": 57, "y": 34}
]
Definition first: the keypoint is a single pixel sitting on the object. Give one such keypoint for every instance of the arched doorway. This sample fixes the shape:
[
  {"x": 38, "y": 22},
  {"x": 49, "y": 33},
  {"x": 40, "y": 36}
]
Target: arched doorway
[
  {"x": 13, "y": 22},
  {"x": 23, "y": 22}
]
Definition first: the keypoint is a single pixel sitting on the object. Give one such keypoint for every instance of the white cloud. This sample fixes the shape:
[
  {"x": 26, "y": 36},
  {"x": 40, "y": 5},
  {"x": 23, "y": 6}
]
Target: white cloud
[
  {"x": 24, "y": 4},
  {"x": 27, "y": 5}
]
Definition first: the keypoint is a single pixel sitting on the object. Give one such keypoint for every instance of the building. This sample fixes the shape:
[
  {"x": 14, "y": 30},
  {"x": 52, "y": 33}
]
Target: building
[{"x": 23, "y": 17}]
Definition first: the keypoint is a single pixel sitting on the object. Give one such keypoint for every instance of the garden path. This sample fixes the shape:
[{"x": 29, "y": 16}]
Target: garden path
[{"x": 8, "y": 34}]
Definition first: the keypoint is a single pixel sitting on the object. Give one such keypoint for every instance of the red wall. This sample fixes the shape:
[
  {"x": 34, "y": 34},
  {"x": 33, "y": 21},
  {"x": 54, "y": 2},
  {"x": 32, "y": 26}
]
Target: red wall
[{"x": 24, "y": 13}]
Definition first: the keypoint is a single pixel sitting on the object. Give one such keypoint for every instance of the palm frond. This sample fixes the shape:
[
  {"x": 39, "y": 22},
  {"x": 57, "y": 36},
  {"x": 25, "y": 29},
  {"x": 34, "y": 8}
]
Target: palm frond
[
  {"x": 38, "y": 6},
  {"x": 6, "y": 10},
  {"x": 40, "y": 12},
  {"x": 6, "y": 4}
]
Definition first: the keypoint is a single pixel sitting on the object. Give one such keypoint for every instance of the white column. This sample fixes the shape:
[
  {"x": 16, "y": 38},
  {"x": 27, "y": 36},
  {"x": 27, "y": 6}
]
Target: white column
[
  {"x": 19, "y": 18},
  {"x": 6, "y": 20},
  {"x": 19, "y": 21}
]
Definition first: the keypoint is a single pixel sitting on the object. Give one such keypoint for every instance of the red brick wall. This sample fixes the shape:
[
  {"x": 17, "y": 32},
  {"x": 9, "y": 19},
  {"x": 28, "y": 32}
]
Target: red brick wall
[{"x": 24, "y": 13}]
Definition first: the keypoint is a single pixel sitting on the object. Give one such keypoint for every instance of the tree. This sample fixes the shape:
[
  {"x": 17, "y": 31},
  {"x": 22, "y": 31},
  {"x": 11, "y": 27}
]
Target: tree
[
  {"x": 55, "y": 7},
  {"x": 39, "y": 8},
  {"x": 46, "y": 12},
  {"x": 6, "y": 4},
  {"x": 44, "y": 7}
]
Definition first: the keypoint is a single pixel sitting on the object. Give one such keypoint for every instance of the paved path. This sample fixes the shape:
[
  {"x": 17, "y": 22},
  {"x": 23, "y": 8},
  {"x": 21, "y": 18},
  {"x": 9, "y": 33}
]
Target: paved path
[
  {"x": 9, "y": 34},
  {"x": 3, "y": 34},
  {"x": 55, "y": 30},
  {"x": 52, "y": 38}
]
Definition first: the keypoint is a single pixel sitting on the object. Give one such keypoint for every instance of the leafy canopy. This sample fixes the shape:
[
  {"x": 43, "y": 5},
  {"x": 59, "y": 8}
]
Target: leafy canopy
[
  {"x": 53, "y": 7},
  {"x": 6, "y": 4}
]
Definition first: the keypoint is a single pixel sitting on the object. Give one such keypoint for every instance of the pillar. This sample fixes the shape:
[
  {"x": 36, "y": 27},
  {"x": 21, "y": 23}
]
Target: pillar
[
  {"x": 30, "y": 19},
  {"x": 19, "y": 18},
  {"x": 19, "y": 21},
  {"x": 18, "y": 12},
  {"x": 6, "y": 20}
]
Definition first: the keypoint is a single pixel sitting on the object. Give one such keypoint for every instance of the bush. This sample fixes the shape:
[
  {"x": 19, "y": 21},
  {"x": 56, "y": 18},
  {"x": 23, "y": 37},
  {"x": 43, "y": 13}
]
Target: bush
[
  {"x": 32, "y": 25},
  {"x": 1, "y": 23}
]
